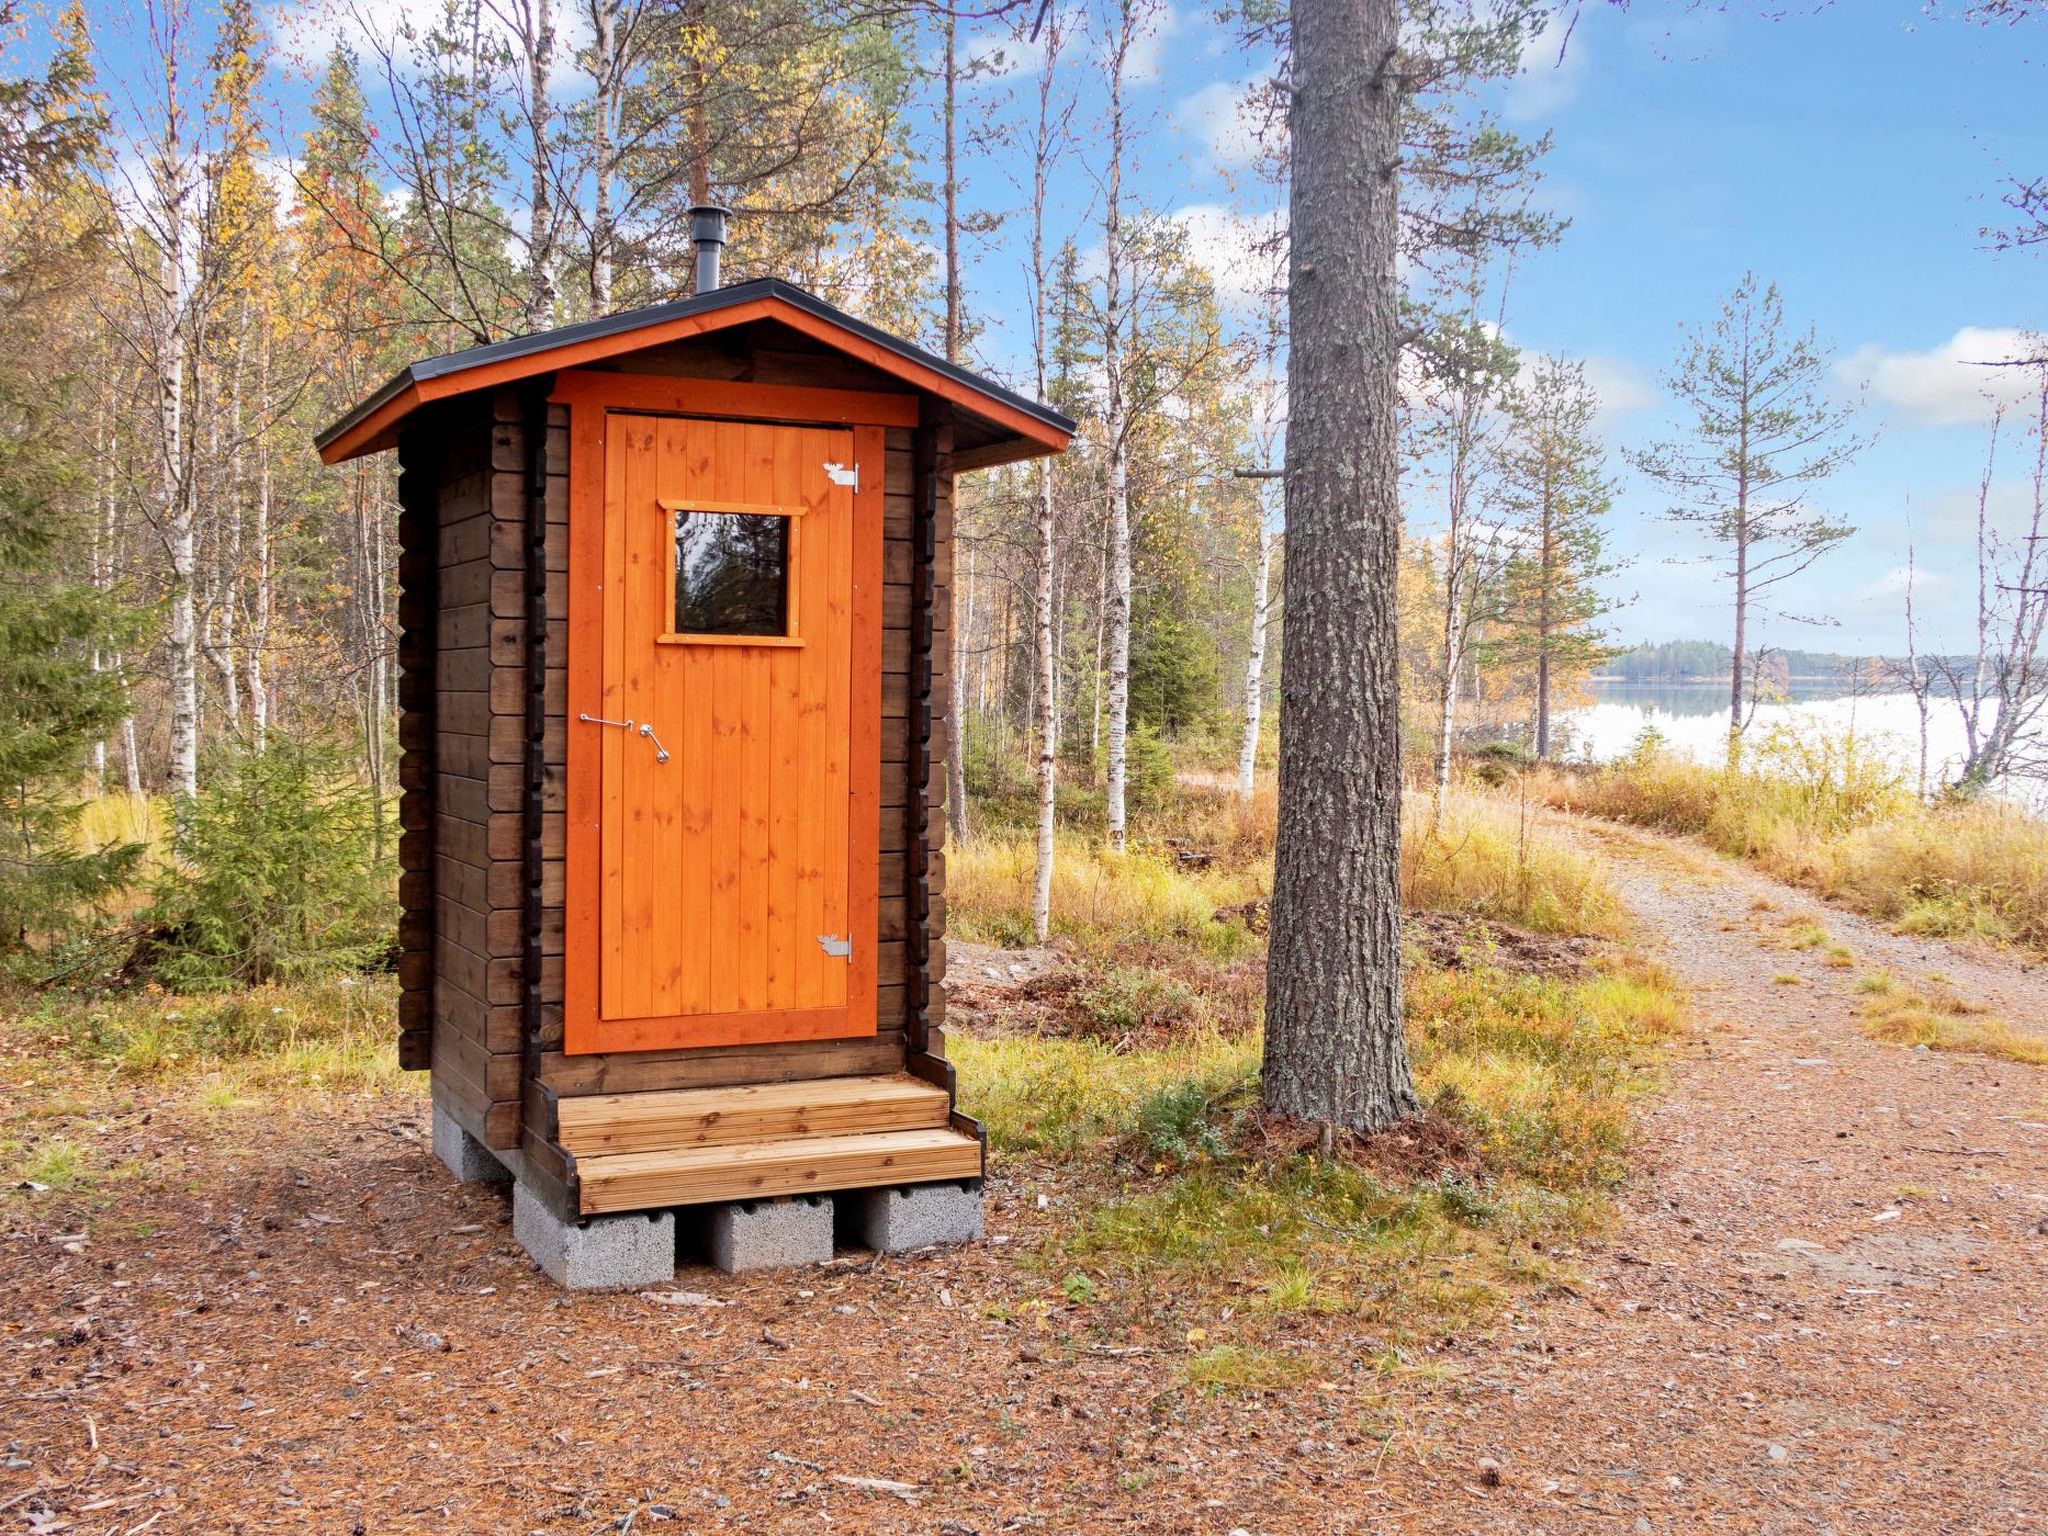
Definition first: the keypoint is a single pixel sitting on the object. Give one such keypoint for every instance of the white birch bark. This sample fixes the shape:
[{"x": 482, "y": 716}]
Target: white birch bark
[
  {"x": 1116, "y": 472},
  {"x": 1255, "y": 664}
]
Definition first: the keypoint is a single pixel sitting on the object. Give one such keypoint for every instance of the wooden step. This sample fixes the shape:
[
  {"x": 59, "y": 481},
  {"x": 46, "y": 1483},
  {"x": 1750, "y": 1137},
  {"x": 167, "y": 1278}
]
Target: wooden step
[
  {"x": 606, "y": 1124},
  {"x": 645, "y": 1181}
]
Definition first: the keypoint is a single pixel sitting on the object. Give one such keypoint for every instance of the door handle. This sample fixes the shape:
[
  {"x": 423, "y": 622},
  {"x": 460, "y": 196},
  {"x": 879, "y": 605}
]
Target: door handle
[{"x": 644, "y": 729}]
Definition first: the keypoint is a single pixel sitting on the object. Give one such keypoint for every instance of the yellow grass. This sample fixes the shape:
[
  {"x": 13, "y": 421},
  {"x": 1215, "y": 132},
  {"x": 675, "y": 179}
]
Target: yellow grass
[
  {"x": 1483, "y": 860},
  {"x": 1828, "y": 815},
  {"x": 1939, "y": 1019}
]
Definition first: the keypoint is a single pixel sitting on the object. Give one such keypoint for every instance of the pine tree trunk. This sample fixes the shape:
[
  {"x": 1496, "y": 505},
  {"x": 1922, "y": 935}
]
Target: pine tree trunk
[
  {"x": 1255, "y": 665},
  {"x": 1447, "y": 699},
  {"x": 1335, "y": 1049}
]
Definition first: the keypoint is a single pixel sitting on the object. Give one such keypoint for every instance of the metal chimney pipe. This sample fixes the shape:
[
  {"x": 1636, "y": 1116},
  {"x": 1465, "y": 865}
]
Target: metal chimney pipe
[{"x": 707, "y": 232}]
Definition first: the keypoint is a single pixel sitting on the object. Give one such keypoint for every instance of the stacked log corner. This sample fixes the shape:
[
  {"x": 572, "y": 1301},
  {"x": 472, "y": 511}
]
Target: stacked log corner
[
  {"x": 418, "y": 584},
  {"x": 479, "y": 744}
]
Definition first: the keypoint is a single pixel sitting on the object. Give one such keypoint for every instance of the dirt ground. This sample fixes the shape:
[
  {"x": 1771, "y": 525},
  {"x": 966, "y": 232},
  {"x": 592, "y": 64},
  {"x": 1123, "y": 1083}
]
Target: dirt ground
[{"x": 1823, "y": 1308}]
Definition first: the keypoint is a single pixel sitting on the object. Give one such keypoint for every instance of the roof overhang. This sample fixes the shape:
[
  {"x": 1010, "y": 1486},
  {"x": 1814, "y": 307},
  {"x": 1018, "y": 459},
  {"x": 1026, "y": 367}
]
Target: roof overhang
[{"x": 1025, "y": 428}]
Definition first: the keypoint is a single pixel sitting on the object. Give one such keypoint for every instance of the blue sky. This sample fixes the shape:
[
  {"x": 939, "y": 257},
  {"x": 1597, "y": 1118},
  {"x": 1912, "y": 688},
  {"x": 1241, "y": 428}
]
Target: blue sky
[{"x": 1852, "y": 155}]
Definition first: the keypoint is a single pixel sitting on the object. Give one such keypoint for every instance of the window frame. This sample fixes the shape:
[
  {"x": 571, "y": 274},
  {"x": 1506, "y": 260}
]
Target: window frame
[{"x": 671, "y": 506}]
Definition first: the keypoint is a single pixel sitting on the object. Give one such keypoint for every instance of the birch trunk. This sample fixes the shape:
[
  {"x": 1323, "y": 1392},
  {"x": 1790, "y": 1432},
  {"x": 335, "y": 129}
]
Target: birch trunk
[
  {"x": 1116, "y": 474},
  {"x": 1335, "y": 1050},
  {"x": 1045, "y": 640},
  {"x": 264, "y": 605},
  {"x": 178, "y": 513},
  {"x": 1255, "y": 665}
]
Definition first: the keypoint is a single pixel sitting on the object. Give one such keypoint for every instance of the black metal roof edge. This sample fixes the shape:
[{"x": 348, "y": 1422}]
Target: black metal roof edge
[{"x": 675, "y": 309}]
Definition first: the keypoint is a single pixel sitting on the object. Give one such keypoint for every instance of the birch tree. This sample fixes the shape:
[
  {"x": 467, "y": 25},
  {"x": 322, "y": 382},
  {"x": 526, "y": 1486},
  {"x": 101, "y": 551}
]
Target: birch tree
[
  {"x": 2000, "y": 689},
  {"x": 1115, "y": 423},
  {"x": 1048, "y": 143}
]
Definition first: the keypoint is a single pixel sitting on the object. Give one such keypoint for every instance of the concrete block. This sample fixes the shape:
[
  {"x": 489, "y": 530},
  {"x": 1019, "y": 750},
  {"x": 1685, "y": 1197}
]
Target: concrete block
[
  {"x": 606, "y": 1253},
  {"x": 769, "y": 1234},
  {"x": 910, "y": 1216},
  {"x": 467, "y": 1158}
]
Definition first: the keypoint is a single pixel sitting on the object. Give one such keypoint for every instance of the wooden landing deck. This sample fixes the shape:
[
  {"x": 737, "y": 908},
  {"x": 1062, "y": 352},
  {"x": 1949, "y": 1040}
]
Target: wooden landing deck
[{"x": 643, "y": 1151}]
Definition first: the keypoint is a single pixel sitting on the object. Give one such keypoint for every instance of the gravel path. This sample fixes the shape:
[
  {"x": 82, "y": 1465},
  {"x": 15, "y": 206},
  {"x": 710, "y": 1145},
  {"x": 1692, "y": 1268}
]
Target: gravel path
[{"x": 1826, "y": 1308}]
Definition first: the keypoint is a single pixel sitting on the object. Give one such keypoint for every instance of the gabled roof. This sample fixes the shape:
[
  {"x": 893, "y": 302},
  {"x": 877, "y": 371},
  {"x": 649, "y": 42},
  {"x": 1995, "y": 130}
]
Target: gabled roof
[{"x": 1034, "y": 428}]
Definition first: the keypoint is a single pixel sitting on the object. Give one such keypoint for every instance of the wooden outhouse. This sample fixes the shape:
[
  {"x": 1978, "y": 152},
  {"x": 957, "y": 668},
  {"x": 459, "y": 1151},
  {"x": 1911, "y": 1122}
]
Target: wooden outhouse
[{"x": 674, "y": 593}]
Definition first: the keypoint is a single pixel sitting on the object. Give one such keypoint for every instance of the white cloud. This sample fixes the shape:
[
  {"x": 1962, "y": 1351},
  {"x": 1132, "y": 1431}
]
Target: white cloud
[
  {"x": 1001, "y": 55},
  {"x": 1621, "y": 385},
  {"x": 1237, "y": 250},
  {"x": 1886, "y": 593},
  {"x": 1224, "y": 117},
  {"x": 1553, "y": 69},
  {"x": 1947, "y": 385},
  {"x": 1142, "y": 61},
  {"x": 1951, "y": 520},
  {"x": 306, "y": 33}
]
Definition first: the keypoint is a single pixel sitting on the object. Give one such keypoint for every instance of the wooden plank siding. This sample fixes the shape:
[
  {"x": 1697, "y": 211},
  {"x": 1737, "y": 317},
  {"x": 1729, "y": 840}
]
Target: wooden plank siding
[{"x": 473, "y": 833}]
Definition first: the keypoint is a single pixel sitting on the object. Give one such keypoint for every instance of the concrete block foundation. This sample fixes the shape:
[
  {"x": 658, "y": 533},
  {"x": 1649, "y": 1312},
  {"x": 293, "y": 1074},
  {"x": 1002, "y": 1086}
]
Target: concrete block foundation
[
  {"x": 606, "y": 1253},
  {"x": 467, "y": 1158},
  {"x": 910, "y": 1216},
  {"x": 769, "y": 1234}
]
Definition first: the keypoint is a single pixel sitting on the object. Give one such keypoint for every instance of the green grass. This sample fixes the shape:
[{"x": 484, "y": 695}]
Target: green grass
[
  {"x": 57, "y": 1164},
  {"x": 1534, "y": 1074},
  {"x": 1245, "y": 1368}
]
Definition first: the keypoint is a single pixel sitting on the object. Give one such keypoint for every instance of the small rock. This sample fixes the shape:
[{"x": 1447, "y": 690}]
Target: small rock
[{"x": 1778, "y": 1453}]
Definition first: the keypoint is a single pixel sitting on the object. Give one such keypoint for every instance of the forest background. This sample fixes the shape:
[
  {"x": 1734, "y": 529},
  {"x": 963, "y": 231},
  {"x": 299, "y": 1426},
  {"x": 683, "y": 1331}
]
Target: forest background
[{"x": 222, "y": 226}]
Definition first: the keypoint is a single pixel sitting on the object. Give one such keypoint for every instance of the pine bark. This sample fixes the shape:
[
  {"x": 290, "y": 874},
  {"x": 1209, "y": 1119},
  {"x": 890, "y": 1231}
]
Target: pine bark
[{"x": 1335, "y": 1050}]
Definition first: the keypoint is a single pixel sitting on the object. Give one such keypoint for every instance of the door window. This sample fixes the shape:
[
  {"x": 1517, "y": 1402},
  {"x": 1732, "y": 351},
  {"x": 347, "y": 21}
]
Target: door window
[{"x": 731, "y": 573}]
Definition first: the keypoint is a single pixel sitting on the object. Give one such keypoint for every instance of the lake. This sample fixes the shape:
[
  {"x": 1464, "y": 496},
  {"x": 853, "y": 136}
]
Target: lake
[{"x": 1693, "y": 718}]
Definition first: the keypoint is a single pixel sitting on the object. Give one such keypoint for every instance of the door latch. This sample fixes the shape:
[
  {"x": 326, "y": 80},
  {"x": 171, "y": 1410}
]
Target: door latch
[
  {"x": 844, "y": 474},
  {"x": 836, "y": 947},
  {"x": 643, "y": 729}
]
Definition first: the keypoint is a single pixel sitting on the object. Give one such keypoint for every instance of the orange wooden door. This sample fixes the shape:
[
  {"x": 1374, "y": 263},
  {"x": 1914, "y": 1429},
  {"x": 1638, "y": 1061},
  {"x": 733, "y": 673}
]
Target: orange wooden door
[{"x": 736, "y": 734}]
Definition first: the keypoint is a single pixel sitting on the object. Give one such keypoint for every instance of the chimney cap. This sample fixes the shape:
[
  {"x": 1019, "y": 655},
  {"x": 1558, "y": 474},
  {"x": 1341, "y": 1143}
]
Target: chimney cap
[{"x": 708, "y": 221}]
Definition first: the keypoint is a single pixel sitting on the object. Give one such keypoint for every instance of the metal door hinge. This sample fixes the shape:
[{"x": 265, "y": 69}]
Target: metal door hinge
[
  {"x": 836, "y": 947},
  {"x": 844, "y": 474}
]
